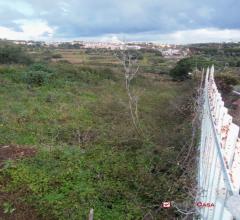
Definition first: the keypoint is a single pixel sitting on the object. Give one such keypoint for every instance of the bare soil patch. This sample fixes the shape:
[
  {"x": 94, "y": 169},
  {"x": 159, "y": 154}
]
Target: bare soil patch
[
  {"x": 22, "y": 211},
  {"x": 13, "y": 152}
]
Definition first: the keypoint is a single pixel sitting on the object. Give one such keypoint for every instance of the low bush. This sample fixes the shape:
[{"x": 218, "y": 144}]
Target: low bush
[
  {"x": 84, "y": 74},
  {"x": 186, "y": 65},
  {"x": 57, "y": 56},
  {"x": 10, "y": 54},
  {"x": 181, "y": 70},
  {"x": 40, "y": 67},
  {"x": 37, "y": 78},
  {"x": 225, "y": 82}
]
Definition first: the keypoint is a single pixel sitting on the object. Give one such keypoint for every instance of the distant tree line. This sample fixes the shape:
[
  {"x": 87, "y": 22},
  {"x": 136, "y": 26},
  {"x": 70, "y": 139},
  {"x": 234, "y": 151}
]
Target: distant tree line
[
  {"x": 214, "y": 51},
  {"x": 67, "y": 45}
]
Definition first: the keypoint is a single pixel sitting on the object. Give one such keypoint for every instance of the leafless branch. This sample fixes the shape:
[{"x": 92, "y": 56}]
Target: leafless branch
[{"x": 131, "y": 69}]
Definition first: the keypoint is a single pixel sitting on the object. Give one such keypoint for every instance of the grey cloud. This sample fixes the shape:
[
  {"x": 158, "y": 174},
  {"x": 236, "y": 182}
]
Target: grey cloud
[{"x": 77, "y": 18}]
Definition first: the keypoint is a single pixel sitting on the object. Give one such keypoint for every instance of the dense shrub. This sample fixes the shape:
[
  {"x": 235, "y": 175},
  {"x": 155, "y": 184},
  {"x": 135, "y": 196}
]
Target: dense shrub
[
  {"x": 38, "y": 74},
  {"x": 57, "y": 56},
  {"x": 40, "y": 67},
  {"x": 37, "y": 78},
  {"x": 225, "y": 82},
  {"x": 136, "y": 54},
  {"x": 181, "y": 70},
  {"x": 10, "y": 54},
  {"x": 186, "y": 65}
]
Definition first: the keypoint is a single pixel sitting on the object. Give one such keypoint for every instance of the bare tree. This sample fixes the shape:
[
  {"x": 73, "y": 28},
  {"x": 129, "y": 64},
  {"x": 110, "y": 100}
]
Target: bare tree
[{"x": 130, "y": 64}]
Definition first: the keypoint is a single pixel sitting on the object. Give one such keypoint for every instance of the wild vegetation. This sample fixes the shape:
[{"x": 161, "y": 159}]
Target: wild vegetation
[
  {"x": 223, "y": 55},
  {"x": 10, "y": 54},
  {"x": 71, "y": 107}
]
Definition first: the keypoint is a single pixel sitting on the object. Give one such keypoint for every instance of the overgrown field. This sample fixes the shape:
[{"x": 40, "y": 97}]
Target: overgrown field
[
  {"x": 150, "y": 61},
  {"x": 88, "y": 153}
]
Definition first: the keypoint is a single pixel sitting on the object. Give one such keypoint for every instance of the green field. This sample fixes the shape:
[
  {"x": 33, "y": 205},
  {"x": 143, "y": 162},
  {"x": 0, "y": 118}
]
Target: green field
[
  {"x": 150, "y": 61},
  {"x": 88, "y": 155}
]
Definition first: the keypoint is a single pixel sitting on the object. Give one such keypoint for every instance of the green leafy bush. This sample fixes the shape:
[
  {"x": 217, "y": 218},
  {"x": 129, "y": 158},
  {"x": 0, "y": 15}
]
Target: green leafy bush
[
  {"x": 38, "y": 75},
  {"x": 37, "y": 78},
  {"x": 181, "y": 70},
  {"x": 186, "y": 65},
  {"x": 10, "y": 54},
  {"x": 40, "y": 67}
]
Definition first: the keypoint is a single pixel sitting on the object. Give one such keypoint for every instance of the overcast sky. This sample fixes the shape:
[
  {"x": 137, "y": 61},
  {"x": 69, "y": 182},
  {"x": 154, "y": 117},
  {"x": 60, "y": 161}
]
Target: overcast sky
[{"x": 167, "y": 21}]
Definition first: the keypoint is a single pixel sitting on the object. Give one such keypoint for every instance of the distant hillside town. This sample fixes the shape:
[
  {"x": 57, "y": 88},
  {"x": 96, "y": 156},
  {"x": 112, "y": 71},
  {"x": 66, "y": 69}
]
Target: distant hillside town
[{"x": 167, "y": 50}]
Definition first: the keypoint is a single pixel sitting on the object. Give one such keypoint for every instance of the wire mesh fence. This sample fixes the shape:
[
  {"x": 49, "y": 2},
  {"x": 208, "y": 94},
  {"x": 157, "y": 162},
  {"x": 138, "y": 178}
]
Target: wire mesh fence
[{"x": 219, "y": 160}]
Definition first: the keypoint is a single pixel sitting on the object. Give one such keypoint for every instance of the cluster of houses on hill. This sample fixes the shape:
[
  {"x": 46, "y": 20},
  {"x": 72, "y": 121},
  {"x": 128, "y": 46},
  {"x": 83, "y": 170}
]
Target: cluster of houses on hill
[{"x": 165, "y": 49}]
